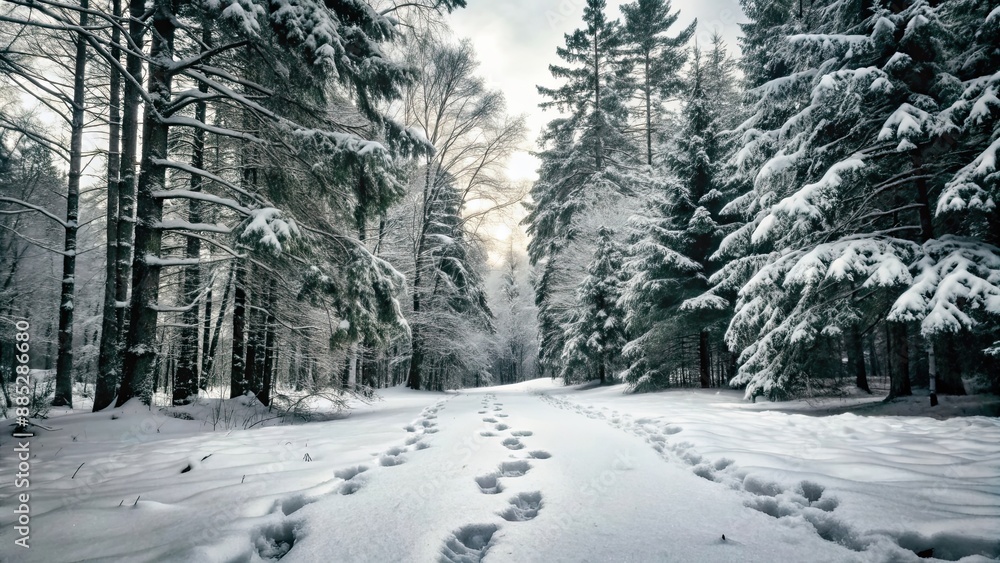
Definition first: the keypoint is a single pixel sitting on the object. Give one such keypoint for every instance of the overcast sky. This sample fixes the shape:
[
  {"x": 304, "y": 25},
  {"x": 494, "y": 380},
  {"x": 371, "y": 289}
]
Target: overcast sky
[{"x": 516, "y": 41}]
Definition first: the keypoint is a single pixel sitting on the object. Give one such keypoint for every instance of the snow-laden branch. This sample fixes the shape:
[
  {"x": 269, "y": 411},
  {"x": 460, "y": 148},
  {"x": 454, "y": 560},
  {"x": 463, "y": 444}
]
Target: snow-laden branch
[
  {"x": 179, "y": 225},
  {"x": 201, "y": 196},
  {"x": 38, "y": 209},
  {"x": 213, "y": 177}
]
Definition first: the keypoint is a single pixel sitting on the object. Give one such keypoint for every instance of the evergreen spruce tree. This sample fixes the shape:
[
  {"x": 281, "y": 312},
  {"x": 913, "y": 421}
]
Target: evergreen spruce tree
[
  {"x": 855, "y": 131},
  {"x": 582, "y": 158},
  {"x": 596, "y": 335},
  {"x": 655, "y": 59},
  {"x": 667, "y": 295}
]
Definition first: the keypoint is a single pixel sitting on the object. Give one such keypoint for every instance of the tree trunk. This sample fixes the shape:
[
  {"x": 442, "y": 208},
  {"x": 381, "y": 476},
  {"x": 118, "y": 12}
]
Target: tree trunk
[
  {"x": 237, "y": 385},
  {"x": 352, "y": 374},
  {"x": 187, "y": 365},
  {"x": 64, "y": 360},
  {"x": 950, "y": 381},
  {"x": 127, "y": 178},
  {"x": 856, "y": 358},
  {"x": 206, "y": 338},
  {"x": 108, "y": 358},
  {"x": 416, "y": 343},
  {"x": 140, "y": 350},
  {"x": 209, "y": 353},
  {"x": 705, "y": 360},
  {"x": 932, "y": 369},
  {"x": 270, "y": 325},
  {"x": 899, "y": 360},
  {"x": 649, "y": 113},
  {"x": 250, "y": 358}
]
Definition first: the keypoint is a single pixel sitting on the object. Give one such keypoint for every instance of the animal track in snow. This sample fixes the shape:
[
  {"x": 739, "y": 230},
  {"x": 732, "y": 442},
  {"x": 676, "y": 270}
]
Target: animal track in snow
[
  {"x": 523, "y": 507},
  {"x": 489, "y": 484},
  {"x": 350, "y": 472},
  {"x": 501, "y": 426},
  {"x": 502, "y": 415},
  {"x": 540, "y": 454},
  {"x": 274, "y": 541},
  {"x": 514, "y": 468},
  {"x": 512, "y": 444},
  {"x": 350, "y": 487},
  {"x": 468, "y": 544},
  {"x": 391, "y": 460},
  {"x": 487, "y": 433},
  {"x": 521, "y": 433},
  {"x": 489, "y": 419},
  {"x": 807, "y": 500}
]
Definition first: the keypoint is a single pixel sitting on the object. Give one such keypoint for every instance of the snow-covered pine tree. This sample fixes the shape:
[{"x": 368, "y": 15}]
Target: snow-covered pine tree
[
  {"x": 339, "y": 47},
  {"x": 455, "y": 304},
  {"x": 582, "y": 158},
  {"x": 955, "y": 295},
  {"x": 596, "y": 333},
  {"x": 655, "y": 59},
  {"x": 669, "y": 261},
  {"x": 846, "y": 149}
]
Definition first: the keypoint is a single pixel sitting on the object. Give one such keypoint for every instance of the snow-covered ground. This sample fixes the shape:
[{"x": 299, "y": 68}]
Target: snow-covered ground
[{"x": 524, "y": 473}]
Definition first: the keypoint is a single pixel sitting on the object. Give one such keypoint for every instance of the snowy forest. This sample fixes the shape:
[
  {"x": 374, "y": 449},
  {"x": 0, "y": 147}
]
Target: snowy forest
[
  {"x": 224, "y": 195},
  {"x": 330, "y": 280}
]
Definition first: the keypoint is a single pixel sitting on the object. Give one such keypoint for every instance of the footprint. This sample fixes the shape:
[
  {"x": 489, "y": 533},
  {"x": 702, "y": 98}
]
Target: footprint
[
  {"x": 350, "y": 472},
  {"x": 420, "y": 446},
  {"x": 468, "y": 544},
  {"x": 489, "y": 419},
  {"x": 409, "y": 428},
  {"x": 812, "y": 491},
  {"x": 391, "y": 460},
  {"x": 501, "y": 415},
  {"x": 482, "y": 412},
  {"x": 350, "y": 487},
  {"x": 274, "y": 541},
  {"x": 523, "y": 507},
  {"x": 501, "y": 426},
  {"x": 487, "y": 433},
  {"x": 540, "y": 454},
  {"x": 394, "y": 451},
  {"x": 489, "y": 484},
  {"x": 412, "y": 440},
  {"x": 521, "y": 433},
  {"x": 431, "y": 431},
  {"x": 512, "y": 444},
  {"x": 514, "y": 468}
]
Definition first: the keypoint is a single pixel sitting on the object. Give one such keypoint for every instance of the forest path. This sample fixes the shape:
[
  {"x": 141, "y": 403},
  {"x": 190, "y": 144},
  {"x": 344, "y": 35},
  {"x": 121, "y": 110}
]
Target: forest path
[
  {"x": 533, "y": 472},
  {"x": 505, "y": 477}
]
